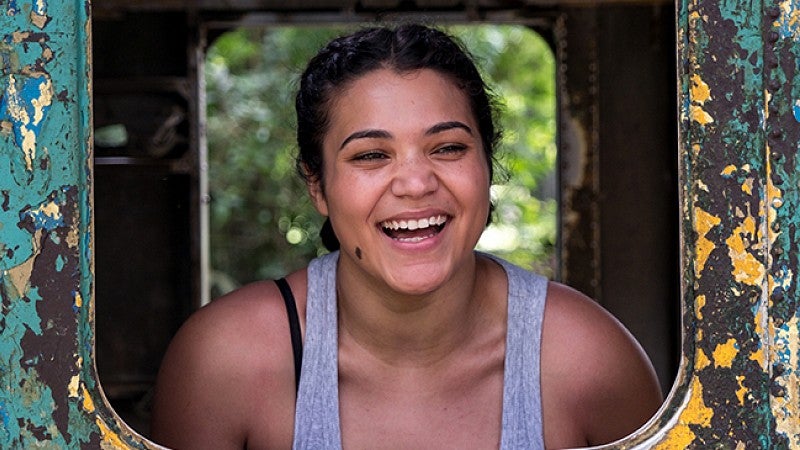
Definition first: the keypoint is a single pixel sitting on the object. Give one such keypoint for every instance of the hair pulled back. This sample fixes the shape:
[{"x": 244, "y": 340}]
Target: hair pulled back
[{"x": 405, "y": 48}]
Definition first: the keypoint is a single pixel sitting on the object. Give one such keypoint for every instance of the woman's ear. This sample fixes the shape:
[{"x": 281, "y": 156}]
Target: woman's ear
[{"x": 318, "y": 196}]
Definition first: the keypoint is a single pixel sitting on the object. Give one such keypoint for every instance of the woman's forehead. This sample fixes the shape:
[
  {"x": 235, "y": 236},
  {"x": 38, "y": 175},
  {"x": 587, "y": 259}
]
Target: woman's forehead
[{"x": 385, "y": 97}]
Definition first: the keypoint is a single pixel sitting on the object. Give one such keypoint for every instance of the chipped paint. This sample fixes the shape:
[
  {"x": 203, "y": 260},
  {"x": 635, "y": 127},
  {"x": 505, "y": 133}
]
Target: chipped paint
[
  {"x": 699, "y": 302},
  {"x": 695, "y": 414},
  {"x": 725, "y": 353},
  {"x": 704, "y": 222},
  {"x": 50, "y": 396},
  {"x": 747, "y": 268},
  {"x": 700, "y": 92}
]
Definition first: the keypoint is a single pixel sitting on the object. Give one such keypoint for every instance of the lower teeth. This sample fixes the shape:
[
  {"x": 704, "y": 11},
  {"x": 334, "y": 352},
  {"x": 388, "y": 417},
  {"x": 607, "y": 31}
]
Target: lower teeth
[{"x": 415, "y": 239}]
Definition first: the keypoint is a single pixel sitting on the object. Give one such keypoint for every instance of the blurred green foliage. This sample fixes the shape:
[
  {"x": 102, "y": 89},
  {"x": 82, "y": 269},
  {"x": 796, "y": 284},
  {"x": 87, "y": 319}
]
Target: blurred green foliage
[{"x": 261, "y": 220}]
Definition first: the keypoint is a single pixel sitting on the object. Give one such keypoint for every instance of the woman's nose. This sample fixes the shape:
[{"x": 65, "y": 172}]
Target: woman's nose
[{"x": 414, "y": 178}]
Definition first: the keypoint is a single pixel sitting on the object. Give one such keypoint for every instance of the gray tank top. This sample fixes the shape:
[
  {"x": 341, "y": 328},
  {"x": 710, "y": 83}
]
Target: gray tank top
[{"x": 316, "y": 423}]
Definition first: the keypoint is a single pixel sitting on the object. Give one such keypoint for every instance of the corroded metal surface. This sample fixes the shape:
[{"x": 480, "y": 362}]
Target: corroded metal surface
[
  {"x": 50, "y": 397},
  {"x": 740, "y": 132},
  {"x": 738, "y": 387}
]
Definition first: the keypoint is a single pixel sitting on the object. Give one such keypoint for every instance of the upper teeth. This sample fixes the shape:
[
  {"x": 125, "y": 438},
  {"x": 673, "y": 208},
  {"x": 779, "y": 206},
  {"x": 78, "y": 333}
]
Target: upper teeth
[{"x": 412, "y": 224}]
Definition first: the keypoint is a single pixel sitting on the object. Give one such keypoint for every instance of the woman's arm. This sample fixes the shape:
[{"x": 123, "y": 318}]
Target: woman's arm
[
  {"x": 227, "y": 379},
  {"x": 598, "y": 383}
]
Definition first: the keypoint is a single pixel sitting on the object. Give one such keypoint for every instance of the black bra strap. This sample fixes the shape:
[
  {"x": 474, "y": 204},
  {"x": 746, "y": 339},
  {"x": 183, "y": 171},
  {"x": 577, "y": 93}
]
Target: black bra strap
[{"x": 294, "y": 327}]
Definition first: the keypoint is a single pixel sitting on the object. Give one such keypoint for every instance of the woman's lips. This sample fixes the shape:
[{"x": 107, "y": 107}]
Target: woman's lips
[{"x": 414, "y": 230}]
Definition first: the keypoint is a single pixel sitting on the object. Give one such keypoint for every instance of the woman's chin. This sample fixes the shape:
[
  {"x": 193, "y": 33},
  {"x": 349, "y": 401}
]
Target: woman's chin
[{"x": 416, "y": 283}]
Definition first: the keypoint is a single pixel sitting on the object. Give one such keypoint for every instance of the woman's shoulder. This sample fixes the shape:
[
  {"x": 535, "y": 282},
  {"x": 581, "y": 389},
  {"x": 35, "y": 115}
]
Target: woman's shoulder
[
  {"x": 242, "y": 318},
  {"x": 595, "y": 367},
  {"x": 232, "y": 356}
]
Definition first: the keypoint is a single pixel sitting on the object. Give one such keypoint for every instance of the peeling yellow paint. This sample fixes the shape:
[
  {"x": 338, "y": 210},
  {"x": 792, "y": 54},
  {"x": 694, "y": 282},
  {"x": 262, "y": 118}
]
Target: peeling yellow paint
[
  {"x": 703, "y": 223},
  {"x": 699, "y": 92},
  {"x": 680, "y": 437},
  {"x": 747, "y": 186},
  {"x": 699, "y": 303},
  {"x": 696, "y": 411},
  {"x": 78, "y": 300},
  {"x": 701, "y": 361},
  {"x": 725, "y": 353},
  {"x": 88, "y": 403},
  {"x": 746, "y": 268},
  {"x": 760, "y": 357},
  {"x": 728, "y": 170},
  {"x": 742, "y": 391},
  {"x": 699, "y": 115},
  {"x": 110, "y": 440}
]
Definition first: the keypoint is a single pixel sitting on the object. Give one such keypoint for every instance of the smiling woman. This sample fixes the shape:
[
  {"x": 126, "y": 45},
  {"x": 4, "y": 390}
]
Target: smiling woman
[
  {"x": 405, "y": 334},
  {"x": 259, "y": 210}
]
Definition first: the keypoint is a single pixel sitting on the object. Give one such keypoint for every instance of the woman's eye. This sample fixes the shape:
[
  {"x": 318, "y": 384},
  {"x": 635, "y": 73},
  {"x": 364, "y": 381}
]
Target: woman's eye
[
  {"x": 451, "y": 148},
  {"x": 369, "y": 156}
]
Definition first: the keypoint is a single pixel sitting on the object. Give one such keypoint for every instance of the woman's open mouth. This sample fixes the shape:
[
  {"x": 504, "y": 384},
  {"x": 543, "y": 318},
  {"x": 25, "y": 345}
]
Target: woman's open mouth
[{"x": 414, "y": 230}]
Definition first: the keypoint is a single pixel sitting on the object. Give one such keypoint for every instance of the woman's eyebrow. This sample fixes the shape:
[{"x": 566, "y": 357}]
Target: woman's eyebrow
[
  {"x": 444, "y": 126},
  {"x": 366, "y": 134}
]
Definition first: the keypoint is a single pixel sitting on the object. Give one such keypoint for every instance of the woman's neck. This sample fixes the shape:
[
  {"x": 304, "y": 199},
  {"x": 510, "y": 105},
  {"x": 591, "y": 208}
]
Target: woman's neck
[{"x": 412, "y": 330}]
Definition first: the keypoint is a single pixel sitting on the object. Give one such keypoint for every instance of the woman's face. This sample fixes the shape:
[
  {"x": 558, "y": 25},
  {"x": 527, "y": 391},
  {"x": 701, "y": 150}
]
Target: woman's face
[{"x": 406, "y": 179}]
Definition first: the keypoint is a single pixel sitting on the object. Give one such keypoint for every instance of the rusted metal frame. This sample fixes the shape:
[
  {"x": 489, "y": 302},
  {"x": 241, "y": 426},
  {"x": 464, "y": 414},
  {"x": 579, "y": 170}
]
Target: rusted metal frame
[
  {"x": 738, "y": 384},
  {"x": 578, "y": 151},
  {"x": 50, "y": 396},
  {"x": 724, "y": 169},
  {"x": 781, "y": 34}
]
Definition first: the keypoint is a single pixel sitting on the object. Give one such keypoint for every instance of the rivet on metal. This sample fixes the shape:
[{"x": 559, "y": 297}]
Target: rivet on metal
[
  {"x": 773, "y": 12},
  {"x": 777, "y": 390},
  {"x": 773, "y": 37}
]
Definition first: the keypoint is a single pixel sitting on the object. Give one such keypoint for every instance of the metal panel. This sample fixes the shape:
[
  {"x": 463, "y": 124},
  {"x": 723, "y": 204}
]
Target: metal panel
[{"x": 50, "y": 395}]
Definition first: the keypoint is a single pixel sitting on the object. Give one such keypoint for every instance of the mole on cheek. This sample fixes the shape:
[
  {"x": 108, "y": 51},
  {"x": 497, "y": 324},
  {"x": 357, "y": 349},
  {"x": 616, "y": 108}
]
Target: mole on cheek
[{"x": 358, "y": 252}]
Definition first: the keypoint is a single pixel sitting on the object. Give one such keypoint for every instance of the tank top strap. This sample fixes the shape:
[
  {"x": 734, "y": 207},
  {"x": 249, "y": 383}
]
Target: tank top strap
[
  {"x": 316, "y": 423},
  {"x": 522, "y": 400}
]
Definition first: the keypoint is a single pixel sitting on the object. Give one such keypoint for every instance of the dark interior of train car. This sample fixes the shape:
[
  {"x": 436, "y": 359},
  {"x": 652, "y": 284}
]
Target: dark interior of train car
[{"x": 617, "y": 161}]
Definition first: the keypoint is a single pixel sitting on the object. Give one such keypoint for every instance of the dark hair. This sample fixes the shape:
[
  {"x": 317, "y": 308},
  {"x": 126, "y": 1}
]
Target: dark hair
[{"x": 405, "y": 48}]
